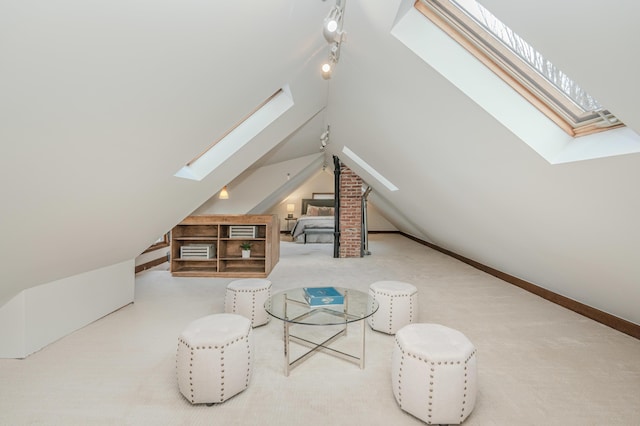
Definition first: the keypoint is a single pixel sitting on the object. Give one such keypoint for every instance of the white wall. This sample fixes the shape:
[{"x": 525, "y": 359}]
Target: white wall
[
  {"x": 376, "y": 221},
  {"x": 43, "y": 314},
  {"x": 12, "y": 328}
]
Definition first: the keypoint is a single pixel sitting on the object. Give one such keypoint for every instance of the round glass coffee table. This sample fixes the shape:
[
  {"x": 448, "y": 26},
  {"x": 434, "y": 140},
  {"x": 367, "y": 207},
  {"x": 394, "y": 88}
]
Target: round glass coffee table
[{"x": 304, "y": 306}]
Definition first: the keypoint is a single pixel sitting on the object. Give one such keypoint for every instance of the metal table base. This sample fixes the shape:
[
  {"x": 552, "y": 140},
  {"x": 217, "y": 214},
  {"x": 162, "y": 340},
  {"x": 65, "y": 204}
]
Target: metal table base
[{"x": 324, "y": 345}]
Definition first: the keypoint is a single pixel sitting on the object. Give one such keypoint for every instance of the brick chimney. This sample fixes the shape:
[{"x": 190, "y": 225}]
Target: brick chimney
[{"x": 350, "y": 213}]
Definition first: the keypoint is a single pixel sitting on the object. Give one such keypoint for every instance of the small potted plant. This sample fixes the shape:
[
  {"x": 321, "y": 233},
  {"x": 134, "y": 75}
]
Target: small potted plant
[{"x": 246, "y": 250}]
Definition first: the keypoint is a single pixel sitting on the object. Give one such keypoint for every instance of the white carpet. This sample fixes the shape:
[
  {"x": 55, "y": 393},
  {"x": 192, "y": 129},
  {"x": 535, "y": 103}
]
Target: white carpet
[{"x": 539, "y": 364}]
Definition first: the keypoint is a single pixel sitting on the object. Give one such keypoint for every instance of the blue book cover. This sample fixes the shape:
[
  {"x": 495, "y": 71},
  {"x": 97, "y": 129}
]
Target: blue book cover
[{"x": 319, "y": 296}]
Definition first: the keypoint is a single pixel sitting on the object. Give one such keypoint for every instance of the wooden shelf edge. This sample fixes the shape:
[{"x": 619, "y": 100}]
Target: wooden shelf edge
[{"x": 180, "y": 259}]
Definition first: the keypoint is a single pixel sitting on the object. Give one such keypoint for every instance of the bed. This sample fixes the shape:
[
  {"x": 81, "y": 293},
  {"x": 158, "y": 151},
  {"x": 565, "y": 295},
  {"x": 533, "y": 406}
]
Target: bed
[{"x": 316, "y": 223}]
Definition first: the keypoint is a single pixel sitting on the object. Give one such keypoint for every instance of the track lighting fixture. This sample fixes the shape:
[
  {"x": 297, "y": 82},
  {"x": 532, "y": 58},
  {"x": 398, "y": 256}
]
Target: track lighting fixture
[
  {"x": 324, "y": 139},
  {"x": 334, "y": 55},
  {"x": 327, "y": 69},
  {"x": 332, "y": 28},
  {"x": 333, "y": 33}
]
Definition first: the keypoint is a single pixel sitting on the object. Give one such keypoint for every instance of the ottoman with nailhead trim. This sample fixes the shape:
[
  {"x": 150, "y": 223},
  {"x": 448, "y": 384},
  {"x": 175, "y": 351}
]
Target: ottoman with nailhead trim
[
  {"x": 398, "y": 305},
  {"x": 214, "y": 359},
  {"x": 433, "y": 373},
  {"x": 246, "y": 297}
]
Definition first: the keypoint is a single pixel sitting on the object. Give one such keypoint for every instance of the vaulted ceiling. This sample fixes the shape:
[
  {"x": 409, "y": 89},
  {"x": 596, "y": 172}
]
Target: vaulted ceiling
[{"x": 103, "y": 102}]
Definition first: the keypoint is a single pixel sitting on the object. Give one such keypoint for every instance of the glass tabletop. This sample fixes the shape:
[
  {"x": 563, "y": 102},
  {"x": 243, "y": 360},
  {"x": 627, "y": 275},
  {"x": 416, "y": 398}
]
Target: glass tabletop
[{"x": 292, "y": 306}]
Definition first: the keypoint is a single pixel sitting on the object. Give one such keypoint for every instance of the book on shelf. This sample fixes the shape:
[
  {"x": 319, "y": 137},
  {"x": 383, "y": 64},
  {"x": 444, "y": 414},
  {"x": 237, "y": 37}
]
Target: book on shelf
[{"x": 323, "y": 296}]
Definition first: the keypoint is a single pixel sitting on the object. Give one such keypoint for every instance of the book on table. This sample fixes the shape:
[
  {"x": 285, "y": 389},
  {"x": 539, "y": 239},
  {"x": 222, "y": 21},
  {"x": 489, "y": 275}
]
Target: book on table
[{"x": 323, "y": 296}]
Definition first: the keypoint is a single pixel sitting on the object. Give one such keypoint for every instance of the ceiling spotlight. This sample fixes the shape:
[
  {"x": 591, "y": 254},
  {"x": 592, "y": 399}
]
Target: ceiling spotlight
[
  {"x": 326, "y": 69},
  {"x": 332, "y": 28}
]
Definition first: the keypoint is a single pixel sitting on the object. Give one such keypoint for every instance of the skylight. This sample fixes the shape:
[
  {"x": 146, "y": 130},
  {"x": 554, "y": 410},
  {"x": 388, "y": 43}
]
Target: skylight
[
  {"x": 373, "y": 172},
  {"x": 238, "y": 136},
  {"x": 520, "y": 65}
]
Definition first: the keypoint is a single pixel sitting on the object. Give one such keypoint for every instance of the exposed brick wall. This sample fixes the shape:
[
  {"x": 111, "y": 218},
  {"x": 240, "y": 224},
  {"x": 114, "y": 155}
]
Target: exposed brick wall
[{"x": 350, "y": 213}]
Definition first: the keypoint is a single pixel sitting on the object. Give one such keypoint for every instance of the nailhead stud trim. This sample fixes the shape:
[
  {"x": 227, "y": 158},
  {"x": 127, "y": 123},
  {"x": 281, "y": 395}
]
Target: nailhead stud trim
[
  {"x": 248, "y": 292},
  {"x": 221, "y": 348},
  {"x": 388, "y": 298},
  {"x": 433, "y": 365}
]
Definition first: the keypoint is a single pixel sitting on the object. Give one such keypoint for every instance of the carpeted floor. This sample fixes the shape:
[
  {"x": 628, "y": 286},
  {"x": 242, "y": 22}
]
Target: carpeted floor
[{"x": 539, "y": 364}]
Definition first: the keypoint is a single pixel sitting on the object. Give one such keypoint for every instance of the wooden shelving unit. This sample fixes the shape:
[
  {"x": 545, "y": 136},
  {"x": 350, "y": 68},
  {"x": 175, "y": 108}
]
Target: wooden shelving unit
[{"x": 225, "y": 233}]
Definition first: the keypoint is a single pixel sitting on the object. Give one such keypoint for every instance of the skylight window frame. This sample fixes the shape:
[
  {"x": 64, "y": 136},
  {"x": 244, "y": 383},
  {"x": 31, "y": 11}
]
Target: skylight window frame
[
  {"x": 514, "y": 71},
  {"x": 238, "y": 135}
]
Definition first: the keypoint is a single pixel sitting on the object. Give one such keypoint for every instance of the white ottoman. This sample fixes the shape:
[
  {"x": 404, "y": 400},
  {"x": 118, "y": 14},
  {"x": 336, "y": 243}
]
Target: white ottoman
[
  {"x": 398, "y": 305},
  {"x": 433, "y": 373},
  {"x": 215, "y": 358},
  {"x": 246, "y": 297}
]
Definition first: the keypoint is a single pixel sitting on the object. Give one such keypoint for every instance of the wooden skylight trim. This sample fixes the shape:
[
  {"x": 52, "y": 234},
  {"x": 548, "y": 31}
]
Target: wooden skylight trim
[{"x": 492, "y": 64}]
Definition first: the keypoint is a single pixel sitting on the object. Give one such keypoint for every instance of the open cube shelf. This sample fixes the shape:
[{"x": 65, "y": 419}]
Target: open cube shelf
[{"x": 223, "y": 235}]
